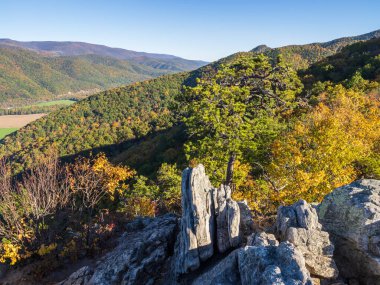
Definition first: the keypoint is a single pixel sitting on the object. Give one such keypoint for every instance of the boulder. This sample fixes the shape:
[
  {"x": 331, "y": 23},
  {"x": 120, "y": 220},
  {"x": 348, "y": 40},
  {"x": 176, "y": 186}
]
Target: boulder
[
  {"x": 195, "y": 242},
  {"x": 227, "y": 213},
  {"x": 272, "y": 265},
  {"x": 140, "y": 257},
  {"x": 299, "y": 225},
  {"x": 351, "y": 214},
  {"x": 262, "y": 239}
]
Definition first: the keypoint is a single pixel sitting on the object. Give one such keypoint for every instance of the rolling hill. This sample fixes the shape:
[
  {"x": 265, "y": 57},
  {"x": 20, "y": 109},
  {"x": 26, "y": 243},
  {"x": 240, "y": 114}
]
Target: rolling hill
[
  {"x": 36, "y": 71},
  {"x": 301, "y": 56}
]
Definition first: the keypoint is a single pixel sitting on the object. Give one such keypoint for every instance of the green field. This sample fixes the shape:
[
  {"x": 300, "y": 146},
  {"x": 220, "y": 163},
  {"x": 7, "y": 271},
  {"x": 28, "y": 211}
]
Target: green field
[
  {"x": 52, "y": 103},
  {"x": 6, "y": 131}
]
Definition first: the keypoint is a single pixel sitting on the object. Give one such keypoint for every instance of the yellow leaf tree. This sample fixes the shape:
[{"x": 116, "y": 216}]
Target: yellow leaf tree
[{"x": 325, "y": 147}]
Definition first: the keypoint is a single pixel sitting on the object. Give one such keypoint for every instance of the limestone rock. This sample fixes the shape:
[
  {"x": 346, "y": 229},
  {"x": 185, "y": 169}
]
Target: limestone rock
[
  {"x": 258, "y": 265},
  {"x": 209, "y": 217},
  {"x": 262, "y": 239},
  {"x": 298, "y": 215},
  {"x": 227, "y": 220},
  {"x": 195, "y": 242},
  {"x": 247, "y": 226},
  {"x": 272, "y": 265},
  {"x": 351, "y": 214},
  {"x": 138, "y": 259},
  {"x": 299, "y": 225}
]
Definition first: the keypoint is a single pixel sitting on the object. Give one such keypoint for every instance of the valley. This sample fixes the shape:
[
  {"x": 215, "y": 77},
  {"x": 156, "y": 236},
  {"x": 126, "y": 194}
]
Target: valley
[
  {"x": 11, "y": 123},
  {"x": 39, "y": 71},
  {"x": 12, "y": 119}
]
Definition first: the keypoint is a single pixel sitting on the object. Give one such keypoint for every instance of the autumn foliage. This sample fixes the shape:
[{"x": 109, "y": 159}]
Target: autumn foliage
[
  {"x": 326, "y": 148},
  {"x": 52, "y": 199}
]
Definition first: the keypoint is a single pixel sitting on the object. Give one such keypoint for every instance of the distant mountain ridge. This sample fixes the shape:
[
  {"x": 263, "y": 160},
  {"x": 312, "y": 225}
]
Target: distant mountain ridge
[
  {"x": 337, "y": 43},
  {"x": 35, "y": 71},
  {"x": 301, "y": 56},
  {"x": 68, "y": 48}
]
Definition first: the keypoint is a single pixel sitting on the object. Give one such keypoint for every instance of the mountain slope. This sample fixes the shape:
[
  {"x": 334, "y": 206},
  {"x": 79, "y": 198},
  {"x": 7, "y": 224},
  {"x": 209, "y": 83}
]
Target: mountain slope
[
  {"x": 362, "y": 56},
  {"x": 301, "y": 56},
  {"x": 27, "y": 76},
  {"x": 106, "y": 120},
  {"x": 110, "y": 117}
]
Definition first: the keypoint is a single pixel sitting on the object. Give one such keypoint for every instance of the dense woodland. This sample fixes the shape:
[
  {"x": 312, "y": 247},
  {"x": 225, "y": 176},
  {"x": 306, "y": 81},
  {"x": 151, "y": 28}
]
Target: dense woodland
[{"x": 295, "y": 131}]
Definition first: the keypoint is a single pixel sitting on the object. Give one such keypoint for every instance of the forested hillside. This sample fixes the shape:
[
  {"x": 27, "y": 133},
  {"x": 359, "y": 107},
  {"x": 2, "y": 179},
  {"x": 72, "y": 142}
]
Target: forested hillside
[
  {"x": 301, "y": 56},
  {"x": 110, "y": 117},
  {"x": 362, "y": 58},
  {"x": 27, "y": 76}
]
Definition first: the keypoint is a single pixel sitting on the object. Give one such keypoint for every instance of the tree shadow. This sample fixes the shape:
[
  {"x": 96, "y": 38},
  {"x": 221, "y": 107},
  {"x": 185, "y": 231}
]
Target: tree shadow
[{"x": 144, "y": 154}]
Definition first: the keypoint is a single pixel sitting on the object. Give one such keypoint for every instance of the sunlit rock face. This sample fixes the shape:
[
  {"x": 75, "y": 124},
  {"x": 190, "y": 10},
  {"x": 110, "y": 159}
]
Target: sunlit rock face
[
  {"x": 195, "y": 242},
  {"x": 351, "y": 214},
  {"x": 210, "y": 220},
  {"x": 299, "y": 225},
  {"x": 265, "y": 262},
  {"x": 268, "y": 265}
]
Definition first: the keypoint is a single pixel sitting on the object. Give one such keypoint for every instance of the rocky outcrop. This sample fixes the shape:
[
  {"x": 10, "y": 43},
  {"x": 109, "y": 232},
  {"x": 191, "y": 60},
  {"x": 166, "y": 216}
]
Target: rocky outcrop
[
  {"x": 227, "y": 213},
  {"x": 209, "y": 217},
  {"x": 258, "y": 265},
  {"x": 268, "y": 265},
  {"x": 299, "y": 225},
  {"x": 264, "y": 261},
  {"x": 351, "y": 214},
  {"x": 195, "y": 242},
  {"x": 299, "y": 252},
  {"x": 139, "y": 258}
]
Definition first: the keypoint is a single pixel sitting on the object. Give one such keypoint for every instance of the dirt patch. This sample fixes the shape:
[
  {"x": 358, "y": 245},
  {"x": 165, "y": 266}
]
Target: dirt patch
[{"x": 18, "y": 121}]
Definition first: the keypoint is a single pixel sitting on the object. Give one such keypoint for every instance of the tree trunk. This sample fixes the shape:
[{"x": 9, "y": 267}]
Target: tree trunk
[{"x": 230, "y": 169}]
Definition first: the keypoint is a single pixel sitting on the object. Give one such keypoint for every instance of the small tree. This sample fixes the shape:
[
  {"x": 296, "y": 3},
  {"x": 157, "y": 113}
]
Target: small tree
[
  {"x": 26, "y": 204},
  {"x": 93, "y": 180},
  {"x": 11, "y": 216},
  {"x": 44, "y": 189},
  {"x": 238, "y": 110},
  {"x": 169, "y": 180}
]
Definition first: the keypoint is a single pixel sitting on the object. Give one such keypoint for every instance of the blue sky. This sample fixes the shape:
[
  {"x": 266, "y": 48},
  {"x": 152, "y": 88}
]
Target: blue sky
[{"x": 197, "y": 29}]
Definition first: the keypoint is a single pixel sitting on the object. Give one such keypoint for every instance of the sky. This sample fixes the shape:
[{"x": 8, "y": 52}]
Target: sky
[{"x": 197, "y": 29}]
